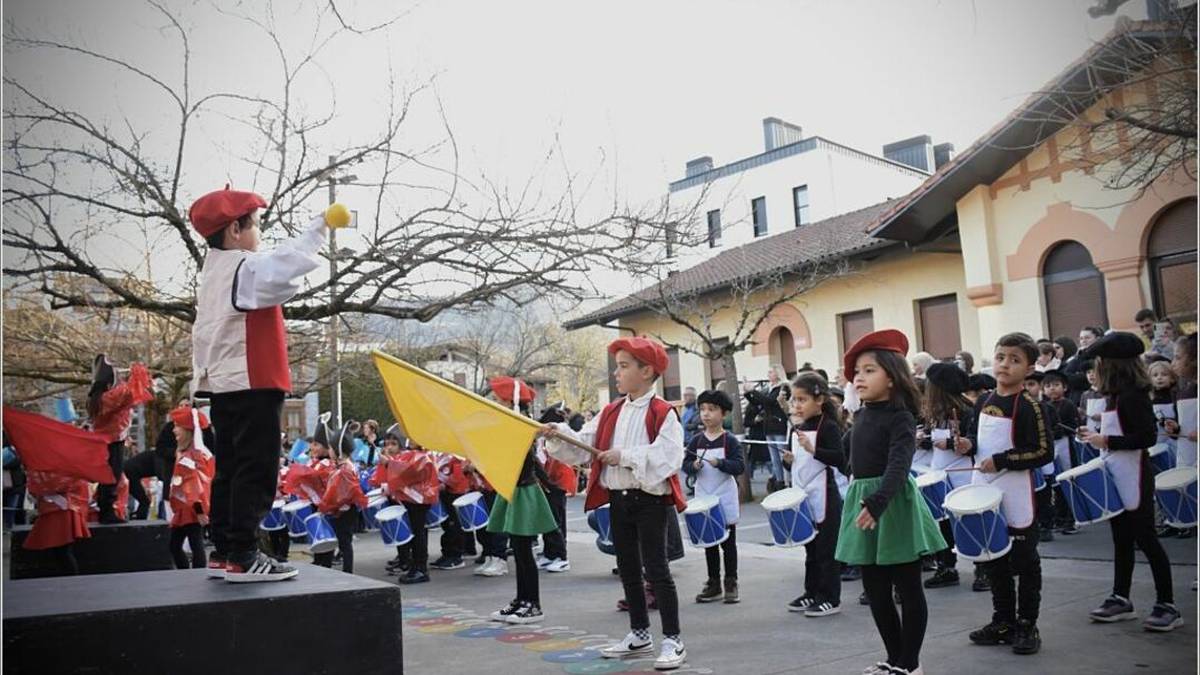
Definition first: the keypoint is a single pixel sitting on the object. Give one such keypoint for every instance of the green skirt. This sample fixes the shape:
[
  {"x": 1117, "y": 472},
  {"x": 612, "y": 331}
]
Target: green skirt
[
  {"x": 905, "y": 532},
  {"x": 529, "y": 513}
]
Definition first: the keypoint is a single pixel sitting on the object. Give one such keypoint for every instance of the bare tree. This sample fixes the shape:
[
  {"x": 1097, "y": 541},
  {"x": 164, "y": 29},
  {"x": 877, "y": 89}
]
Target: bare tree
[{"x": 431, "y": 239}]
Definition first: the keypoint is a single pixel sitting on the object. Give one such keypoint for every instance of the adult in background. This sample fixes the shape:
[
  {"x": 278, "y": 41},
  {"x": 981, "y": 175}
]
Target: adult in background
[
  {"x": 965, "y": 361},
  {"x": 1145, "y": 320},
  {"x": 764, "y": 408},
  {"x": 690, "y": 415}
]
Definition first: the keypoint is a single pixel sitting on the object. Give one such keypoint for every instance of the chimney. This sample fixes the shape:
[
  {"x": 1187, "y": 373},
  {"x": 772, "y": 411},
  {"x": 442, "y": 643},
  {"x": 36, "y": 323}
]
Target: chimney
[
  {"x": 699, "y": 165},
  {"x": 916, "y": 152},
  {"x": 777, "y": 133},
  {"x": 942, "y": 153}
]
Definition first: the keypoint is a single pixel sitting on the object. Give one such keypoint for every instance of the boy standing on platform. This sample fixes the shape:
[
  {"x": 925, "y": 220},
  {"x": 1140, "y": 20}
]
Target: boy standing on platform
[{"x": 640, "y": 439}]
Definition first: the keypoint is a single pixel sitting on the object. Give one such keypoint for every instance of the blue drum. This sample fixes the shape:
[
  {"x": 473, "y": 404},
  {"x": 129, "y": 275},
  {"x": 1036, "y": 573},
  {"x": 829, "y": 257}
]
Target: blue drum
[
  {"x": 934, "y": 487},
  {"x": 979, "y": 527},
  {"x": 1175, "y": 491},
  {"x": 705, "y": 522},
  {"x": 1161, "y": 458},
  {"x": 790, "y": 517},
  {"x": 364, "y": 479},
  {"x": 320, "y": 534},
  {"x": 274, "y": 519},
  {"x": 435, "y": 516},
  {"x": 375, "y": 504},
  {"x": 472, "y": 511},
  {"x": 294, "y": 514},
  {"x": 600, "y": 521},
  {"x": 1039, "y": 480},
  {"x": 393, "y": 525},
  {"x": 1091, "y": 492}
]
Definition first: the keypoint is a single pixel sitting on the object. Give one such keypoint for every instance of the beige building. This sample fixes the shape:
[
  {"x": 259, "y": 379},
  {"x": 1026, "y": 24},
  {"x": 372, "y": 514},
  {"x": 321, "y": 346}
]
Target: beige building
[{"x": 1019, "y": 232}]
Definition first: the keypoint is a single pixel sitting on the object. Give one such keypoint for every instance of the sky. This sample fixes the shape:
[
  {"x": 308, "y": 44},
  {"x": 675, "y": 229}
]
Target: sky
[{"x": 626, "y": 90}]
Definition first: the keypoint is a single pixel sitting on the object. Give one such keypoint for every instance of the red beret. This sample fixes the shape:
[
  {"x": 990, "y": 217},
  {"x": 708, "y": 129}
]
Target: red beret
[
  {"x": 502, "y": 386},
  {"x": 215, "y": 210},
  {"x": 645, "y": 350},
  {"x": 182, "y": 417},
  {"x": 886, "y": 340}
]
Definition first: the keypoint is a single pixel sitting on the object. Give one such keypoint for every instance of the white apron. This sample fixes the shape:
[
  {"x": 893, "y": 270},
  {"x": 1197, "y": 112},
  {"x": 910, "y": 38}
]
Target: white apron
[
  {"x": 995, "y": 437},
  {"x": 713, "y": 482},
  {"x": 809, "y": 473},
  {"x": 1124, "y": 465},
  {"x": 1062, "y": 456},
  {"x": 1185, "y": 450},
  {"x": 1164, "y": 411},
  {"x": 922, "y": 460},
  {"x": 948, "y": 459}
]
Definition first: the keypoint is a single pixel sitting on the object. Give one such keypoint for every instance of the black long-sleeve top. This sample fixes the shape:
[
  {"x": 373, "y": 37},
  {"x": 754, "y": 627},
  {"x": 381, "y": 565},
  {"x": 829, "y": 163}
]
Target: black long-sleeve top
[
  {"x": 1067, "y": 416},
  {"x": 1032, "y": 446},
  {"x": 532, "y": 472},
  {"x": 966, "y": 417},
  {"x": 828, "y": 449},
  {"x": 882, "y": 444},
  {"x": 1139, "y": 427},
  {"x": 733, "y": 463}
]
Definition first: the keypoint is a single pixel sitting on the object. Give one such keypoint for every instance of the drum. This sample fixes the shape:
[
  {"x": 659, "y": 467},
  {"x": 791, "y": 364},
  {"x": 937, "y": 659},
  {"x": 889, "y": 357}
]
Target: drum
[
  {"x": 472, "y": 511},
  {"x": 1161, "y": 458},
  {"x": 1091, "y": 492},
  {"x": 393, "y": 525},
  {"x": 1087, "y": 453},
  {"x": 375, "y": 504},
  {"x": 1039, "y": 480},
  {"x": 274, "y": 519},
  {"x": 1175, "y": 490},
  {"x": 364, "y": 479},
  {"x": 980, "y": 529},
  {"x": 435, "y": 516},
  {"x": 705, "y": 522},
  {"x": 789, "y": 517},
  {"x": 294, "y": 514},
  {"x": 599, "y": 521},
  {"x": 934, "y": 486},
  {"x": 320, "y": 534}
]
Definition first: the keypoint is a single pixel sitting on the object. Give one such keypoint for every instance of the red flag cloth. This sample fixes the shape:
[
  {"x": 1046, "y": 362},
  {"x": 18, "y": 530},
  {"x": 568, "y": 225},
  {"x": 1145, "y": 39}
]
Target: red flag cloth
[
  {"x": 62, "y": 505},
  {"x": 562, "y": 475},
  {"x": 191, "y": 486},
  {"x": 412, "y": 477},
  {"x": 117, "y": 404},
  {"x": 44, "y": 444},
  {"x": 344, "y": 490}
]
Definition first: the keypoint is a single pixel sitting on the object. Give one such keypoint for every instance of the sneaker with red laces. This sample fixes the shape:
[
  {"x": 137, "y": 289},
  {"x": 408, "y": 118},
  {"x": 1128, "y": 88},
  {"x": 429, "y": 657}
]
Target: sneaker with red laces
[{"x": 216, "y": 565}]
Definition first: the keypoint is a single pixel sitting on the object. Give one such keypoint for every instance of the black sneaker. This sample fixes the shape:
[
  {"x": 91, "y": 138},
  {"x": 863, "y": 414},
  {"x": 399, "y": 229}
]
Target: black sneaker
[
  {"x": 981, "y": 583},
  {"x": 851, "y": 573},
  {"x": 448, "y": 563},
  {"x": 1187, "y": 533},
  {"x": 731, "y": 591},
  {"x": 1113, "y": 609},
  {"x": 995, "y": 633},
  {"x": 503, "y": 614},
  {"x": 801, "y": 603},
  {"x": 945, "y": 576},
  {"x": 259, "y": 567},
  {"x": 824, "y": 608},
  {"x": 1026, "y": 639},
  {"x": 413, "y": 576},
  {"x": 526, "y": 612},
  {"x": 1045, "y": 534},
  {"x": 711, "y": 591},
  {"x": 862, "y": 599},
  {"x": 1164, "y": 617},
  {"x": 1069, "y": 530}
]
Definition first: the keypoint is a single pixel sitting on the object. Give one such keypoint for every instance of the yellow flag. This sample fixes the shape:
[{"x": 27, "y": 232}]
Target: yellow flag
[{"x": 440, "y": 415}]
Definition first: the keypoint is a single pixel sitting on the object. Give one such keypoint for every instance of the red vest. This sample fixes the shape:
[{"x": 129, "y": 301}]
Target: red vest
[{"x": 597, "y": 494}]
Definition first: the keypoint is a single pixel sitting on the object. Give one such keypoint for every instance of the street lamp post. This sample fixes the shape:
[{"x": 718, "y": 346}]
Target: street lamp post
[{"x": 335, "y": 365}]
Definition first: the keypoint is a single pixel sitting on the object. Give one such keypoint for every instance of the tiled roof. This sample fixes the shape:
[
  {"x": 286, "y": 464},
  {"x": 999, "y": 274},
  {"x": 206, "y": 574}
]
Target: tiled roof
[{"x": 834, "y": 238}]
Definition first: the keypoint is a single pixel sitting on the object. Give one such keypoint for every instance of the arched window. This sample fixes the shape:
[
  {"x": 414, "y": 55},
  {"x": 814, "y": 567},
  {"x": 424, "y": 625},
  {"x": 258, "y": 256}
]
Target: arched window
[
  {"x": 782, "y": 347},
  {"x": 1074, "y": 290},
  {"x": 1171, "y": 251}
]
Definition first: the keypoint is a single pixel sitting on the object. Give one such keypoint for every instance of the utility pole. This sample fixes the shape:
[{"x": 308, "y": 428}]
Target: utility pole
[{"x": 335, "y": 366}]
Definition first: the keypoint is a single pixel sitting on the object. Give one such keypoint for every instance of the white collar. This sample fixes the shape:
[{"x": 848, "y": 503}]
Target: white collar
[{"x": 641, "y": 401}]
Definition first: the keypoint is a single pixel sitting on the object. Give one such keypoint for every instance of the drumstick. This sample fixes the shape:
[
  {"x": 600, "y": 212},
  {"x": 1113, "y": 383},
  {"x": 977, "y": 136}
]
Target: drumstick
[
  {"x": 571, "y": 441},
  {"x": 962, "y": 468}
]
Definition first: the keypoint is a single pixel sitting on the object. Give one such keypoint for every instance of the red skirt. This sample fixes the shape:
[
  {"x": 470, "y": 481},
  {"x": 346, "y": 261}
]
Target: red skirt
[{"x": 56, "y": 528}]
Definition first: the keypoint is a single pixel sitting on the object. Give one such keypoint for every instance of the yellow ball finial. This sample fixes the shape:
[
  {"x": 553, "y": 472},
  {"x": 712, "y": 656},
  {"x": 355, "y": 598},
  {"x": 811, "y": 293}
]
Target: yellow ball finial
[{"x": 337, "y": 215}]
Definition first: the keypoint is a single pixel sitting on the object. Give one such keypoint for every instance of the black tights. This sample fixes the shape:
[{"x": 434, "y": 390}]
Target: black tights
[
  {"x": 902, "y": 633},
  {"x": 527, "y": 572},
  {"x": 1137, "y": 528},
  {"x": 194, "y": 534},
  {"x": 712, "y": 556},
  {"x": 65, "y": 556},
  {"x": 281, "y": 543}
]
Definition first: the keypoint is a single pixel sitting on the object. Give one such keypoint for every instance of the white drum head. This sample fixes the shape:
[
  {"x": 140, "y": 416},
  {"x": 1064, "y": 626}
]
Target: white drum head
[
  {"x": 391, "y": 512},
  {"x": 467, "y": 499},
  {"x": 278, "y": 504},
  {"x": 1175, "y": 479},
  {"x": 1086, "y": 467},
  {"x": 930, "y": 477},
  {"x": 784, "y": 499},
  {"x": 970, "y": 499},
  {"x": 296, "y": 505},
  {"x": 701, "y": 504},
  {"x": 377, "y": 492},
  {"x": 1159, "y": 449}
]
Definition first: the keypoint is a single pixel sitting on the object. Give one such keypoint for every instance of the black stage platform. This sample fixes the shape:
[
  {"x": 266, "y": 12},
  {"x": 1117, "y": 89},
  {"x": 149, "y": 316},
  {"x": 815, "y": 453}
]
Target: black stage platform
[
  {"x": 180, "y": 621},
  {"x": 136, "y": 546}
]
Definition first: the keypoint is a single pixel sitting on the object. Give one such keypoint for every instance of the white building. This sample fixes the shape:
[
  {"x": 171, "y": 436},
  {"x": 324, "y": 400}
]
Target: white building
[{"x": 795, "y": 181}]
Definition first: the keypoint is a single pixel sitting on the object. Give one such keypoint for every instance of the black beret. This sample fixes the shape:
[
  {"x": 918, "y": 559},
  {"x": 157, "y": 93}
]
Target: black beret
[
  {"x": 948, "y": 377},
  {"x": 1116, "y": 345},
  {"x": 715, "y": 397},
  {"x": 1054, "y": 375},
  {"x": 981, "y": 382},
  {"x": 1035, "y": 375},
  {"x": 837, "y": 391}
]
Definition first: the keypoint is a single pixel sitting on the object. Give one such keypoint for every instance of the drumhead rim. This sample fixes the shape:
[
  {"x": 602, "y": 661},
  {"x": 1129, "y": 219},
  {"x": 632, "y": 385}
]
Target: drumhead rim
[
  {"x": 1087, "y": 467},
  {"x": 957, "y": 493},
  {"x": 296, "y": 505},
  {"x": 1174, "y": 479},
  {"x": 469, "y": 498},
  {"x": 784, "y": 499},
  {"x": 394, "y": 508},
  {"x": 931, "y": 476}
]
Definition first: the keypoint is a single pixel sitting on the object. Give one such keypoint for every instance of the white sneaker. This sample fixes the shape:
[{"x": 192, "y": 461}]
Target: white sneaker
[
  {"x": 496, "y": 567},
  {"x": 629, "y": 646},
  {"x": 671, "y": 656},
  {"x": 558, "y": 565},
  {"x": 543, "y": 561},
  {"x": 880, "y": 668},
  {"x": 487, "y": 568}
]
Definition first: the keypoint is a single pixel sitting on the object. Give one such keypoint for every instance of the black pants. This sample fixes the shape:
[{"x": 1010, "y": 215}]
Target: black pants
[
  {"x": 1136, "y": 528},
  {"x": 1017, "y": 578},
  {"x": 106, "y": 493},
  {"x": 65, "y": 557},
  {"x": 247, "y": 428},
  {"x": 674, "y": 538},
  {"x": 143, "y": 465},
  {"x": 416, "y": 552},
  {"x": 194, "y": 534},
  {"x": 902, "y": 632},
  {"x": 343, "y": 526},
  {"x": 494, "y": 544},
  {"x": 946, "y": 558},
  {"x": 453, "y": 538},
  {"x": 281, "y": 543},
  {"x": 556, "y": 540},
  {"x": 639, "y": 532},
  {"x": 823, "y": 574},
  {"x": 713, "y": 555},
  {"x": 527, "y": 572}
]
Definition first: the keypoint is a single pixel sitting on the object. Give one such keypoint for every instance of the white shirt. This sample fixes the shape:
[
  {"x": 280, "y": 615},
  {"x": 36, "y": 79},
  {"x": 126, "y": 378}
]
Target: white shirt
[
  {"x": 644, "y": 465},
  {"x": 268, "y": 278}
]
